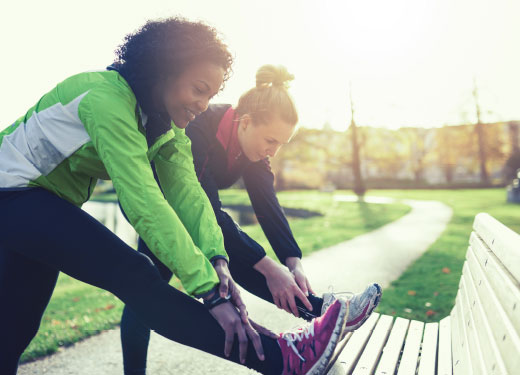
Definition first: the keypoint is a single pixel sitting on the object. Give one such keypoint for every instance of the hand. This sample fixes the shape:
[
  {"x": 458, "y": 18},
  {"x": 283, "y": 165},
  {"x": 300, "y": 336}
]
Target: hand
[
  {"x": 263, "y": 330},
  {"x": 295, "y": 266},
  {"x": 228, "y": 286},
  {"x": 282, "y": 285},
  {"x": 229, "y": 319}
]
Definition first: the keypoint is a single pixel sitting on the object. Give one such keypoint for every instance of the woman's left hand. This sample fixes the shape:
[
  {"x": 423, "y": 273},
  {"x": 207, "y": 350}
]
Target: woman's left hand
[{"x": 229, "y": 287}]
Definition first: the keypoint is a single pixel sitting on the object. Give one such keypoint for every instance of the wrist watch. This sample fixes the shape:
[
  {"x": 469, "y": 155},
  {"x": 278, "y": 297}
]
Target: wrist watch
[{"x": 216, "y": 300}]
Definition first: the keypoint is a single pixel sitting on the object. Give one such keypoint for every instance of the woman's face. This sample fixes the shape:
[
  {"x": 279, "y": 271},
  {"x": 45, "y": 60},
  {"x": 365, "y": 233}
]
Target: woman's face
[
  {"x": 263, "y": 140},
  {"x": 188, "y": 95}
]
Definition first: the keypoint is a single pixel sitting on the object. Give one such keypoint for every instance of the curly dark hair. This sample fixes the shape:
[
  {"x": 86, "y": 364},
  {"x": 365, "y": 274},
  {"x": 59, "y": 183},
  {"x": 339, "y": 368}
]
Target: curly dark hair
[{"x": 166, "y": 47}]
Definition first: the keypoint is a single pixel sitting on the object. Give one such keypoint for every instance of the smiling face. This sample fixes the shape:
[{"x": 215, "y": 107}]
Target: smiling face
[
  {"x": 188, "y": 95},
  {"x": 260, "y": 141}
]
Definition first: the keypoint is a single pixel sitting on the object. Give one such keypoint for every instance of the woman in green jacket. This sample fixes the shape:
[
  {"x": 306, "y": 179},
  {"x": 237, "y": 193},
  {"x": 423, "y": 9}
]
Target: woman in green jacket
[{"x": 110, "y": 125}]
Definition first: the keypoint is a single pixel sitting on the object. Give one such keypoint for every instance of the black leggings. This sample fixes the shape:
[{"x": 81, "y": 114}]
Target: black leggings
[
  {"x": 42, "y": 234},
  {"x": 135, "y": 335}
]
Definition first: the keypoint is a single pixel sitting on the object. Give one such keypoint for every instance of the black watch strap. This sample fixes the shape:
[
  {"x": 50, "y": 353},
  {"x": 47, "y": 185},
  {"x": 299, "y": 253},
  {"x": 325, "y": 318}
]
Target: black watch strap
[{"x": 216, "y": 300}]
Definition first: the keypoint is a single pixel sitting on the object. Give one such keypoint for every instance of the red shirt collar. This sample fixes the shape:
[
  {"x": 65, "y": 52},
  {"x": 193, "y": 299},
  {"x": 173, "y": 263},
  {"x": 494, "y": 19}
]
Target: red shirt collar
[{"x": 227, "y": 135}]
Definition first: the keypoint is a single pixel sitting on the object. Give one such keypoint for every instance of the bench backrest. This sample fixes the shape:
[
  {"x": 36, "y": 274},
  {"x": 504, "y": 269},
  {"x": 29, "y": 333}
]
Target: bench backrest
[{"x": 485, "y": 322}]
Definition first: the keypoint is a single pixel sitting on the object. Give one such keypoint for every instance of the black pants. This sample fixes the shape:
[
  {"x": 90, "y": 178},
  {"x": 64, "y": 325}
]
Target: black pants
[
  {"x": 135, "y": 335},
  {"x": 42, "y": 234}
]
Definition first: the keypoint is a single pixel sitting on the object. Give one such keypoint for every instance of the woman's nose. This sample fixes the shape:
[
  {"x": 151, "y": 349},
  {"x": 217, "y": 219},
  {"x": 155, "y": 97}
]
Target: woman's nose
[{"x": 202, "y": 105}]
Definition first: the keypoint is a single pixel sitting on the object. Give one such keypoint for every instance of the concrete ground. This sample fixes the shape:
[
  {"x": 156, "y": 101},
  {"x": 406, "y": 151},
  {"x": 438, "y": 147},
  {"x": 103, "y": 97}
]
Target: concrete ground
[{"x": 381, "y": 256}]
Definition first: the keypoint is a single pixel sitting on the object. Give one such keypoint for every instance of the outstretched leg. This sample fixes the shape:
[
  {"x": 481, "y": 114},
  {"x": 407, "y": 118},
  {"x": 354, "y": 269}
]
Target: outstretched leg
[
  {"x": 42, "y": 227},
  {"x": 25, "y": 289}
]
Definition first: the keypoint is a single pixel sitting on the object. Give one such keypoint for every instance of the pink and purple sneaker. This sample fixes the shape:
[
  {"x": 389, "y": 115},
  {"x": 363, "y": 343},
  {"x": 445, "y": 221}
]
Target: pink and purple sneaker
[
  {"x": 308, "y": 350},
  {"x": 361, "y": 305}
]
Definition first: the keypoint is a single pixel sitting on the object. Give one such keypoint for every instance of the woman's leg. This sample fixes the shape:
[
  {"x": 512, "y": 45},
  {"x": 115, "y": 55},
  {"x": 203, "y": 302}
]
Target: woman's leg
[
  {"x": 47, "y": 229},
  {"x": 25, "y": 289},
  {"x": 135, "y": 335}
]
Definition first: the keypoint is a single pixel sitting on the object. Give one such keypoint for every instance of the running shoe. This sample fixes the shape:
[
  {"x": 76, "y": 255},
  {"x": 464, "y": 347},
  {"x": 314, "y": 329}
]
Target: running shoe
[
  {"x": 308, "y": 349},
  {"x": 361, "y": 305}
]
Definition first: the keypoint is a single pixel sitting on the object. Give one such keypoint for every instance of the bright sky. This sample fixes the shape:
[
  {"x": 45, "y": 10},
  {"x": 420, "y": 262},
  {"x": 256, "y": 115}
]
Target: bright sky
[{"x": 411, "y": 62}]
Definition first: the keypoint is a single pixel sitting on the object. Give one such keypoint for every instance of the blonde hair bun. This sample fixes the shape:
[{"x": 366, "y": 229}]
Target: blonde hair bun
[{"x": 273, "y": 75}]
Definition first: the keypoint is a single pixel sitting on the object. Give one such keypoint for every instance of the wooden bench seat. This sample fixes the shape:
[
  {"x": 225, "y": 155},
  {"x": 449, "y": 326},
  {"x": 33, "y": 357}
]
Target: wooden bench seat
[{"x": 480, "y": 336}]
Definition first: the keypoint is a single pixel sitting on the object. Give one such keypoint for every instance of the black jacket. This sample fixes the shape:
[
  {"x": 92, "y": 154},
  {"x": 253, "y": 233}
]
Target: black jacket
[{"x": 214, "y": 171}]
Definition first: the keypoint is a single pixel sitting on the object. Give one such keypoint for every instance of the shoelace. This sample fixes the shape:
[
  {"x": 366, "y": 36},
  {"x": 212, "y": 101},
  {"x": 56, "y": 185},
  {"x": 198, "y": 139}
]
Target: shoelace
[
  {"x": 291, "y": 337},
  {"x": 347, "y": 295}
]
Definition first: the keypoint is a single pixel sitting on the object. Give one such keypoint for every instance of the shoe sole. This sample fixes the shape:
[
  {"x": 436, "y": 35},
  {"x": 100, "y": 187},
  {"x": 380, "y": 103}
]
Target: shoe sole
[
  {"x": 322, "y": 363},
  {"x": 335, "y": 356},
  {"x": 368, "y": 310}
]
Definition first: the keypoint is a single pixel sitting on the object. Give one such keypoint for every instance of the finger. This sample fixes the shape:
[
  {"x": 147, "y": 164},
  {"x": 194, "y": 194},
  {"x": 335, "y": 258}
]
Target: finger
[
  {"x": 243, "y": 313},
  {"x": 292, "y": 306},
  {"x": 242, "y": 342},
  {"x": 302, "y": 283},
  {"x": 228, "y": 343},
  {"x": 263, "y": 330},
  {"x": 283, "y": 301},
  {"x": 257, "y": 342},
  {"x": 309, "y": 287},
  {"x": 304, "y": 299},
  {"x": 276, "y": 301},
  {"x": 241, "y": 306},
  {"x": 224, "y": 287}
]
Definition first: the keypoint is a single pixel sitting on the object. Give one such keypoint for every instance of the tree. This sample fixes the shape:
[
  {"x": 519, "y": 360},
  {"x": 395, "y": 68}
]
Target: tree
[
  {"x": 479, "y": 128},
  {"x": 359, "y": 186}
]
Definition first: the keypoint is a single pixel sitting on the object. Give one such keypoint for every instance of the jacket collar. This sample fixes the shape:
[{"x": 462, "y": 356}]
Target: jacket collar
[{"x": 227, "y": 135}]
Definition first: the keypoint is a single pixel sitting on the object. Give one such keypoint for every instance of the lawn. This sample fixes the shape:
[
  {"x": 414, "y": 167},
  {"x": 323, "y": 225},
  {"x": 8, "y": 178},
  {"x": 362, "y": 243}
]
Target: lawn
[
  {"x": 78, "y": 310},
  {"x": 426, "y": 290}
]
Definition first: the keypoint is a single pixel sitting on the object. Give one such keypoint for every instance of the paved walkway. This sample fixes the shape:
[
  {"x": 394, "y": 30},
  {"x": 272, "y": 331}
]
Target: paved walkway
[{"x": 381, "y": 255}]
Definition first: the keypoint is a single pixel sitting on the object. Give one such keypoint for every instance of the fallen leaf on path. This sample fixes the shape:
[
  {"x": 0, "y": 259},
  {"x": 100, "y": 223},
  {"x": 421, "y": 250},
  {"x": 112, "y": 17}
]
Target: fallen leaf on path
[
  {"x": 412, "y": 292},
  {"x": 430, "y": 312},
  {"x": 446, "y": 270}
]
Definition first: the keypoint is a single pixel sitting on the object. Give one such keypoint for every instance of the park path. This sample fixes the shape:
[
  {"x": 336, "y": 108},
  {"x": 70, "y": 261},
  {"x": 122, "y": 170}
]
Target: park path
[{"x": 381, "y": 255}]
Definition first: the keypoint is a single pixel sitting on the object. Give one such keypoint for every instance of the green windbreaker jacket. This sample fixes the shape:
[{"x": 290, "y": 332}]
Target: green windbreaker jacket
[{"x": 90, "y": 127}]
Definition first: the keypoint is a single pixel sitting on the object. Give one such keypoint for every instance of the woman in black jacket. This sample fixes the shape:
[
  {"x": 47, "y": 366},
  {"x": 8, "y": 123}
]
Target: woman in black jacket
[{"x": 229, "y": 143}]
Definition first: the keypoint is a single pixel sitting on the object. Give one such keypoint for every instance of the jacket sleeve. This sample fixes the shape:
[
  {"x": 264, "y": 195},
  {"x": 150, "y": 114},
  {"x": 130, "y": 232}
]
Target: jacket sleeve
[
  {"x": 108, "y": 113},
  {"x": 259, "y": 181},
  {"x": 240, "y": 247},
  {"x": 174, "y": 167}
]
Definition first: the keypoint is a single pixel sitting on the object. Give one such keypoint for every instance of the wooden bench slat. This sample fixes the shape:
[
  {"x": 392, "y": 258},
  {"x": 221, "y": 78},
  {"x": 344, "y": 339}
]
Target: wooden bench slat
[
  {"x": 506, "y": 337},
  {"x": 350, "y": 355},
  {"x": 408, "y": 364},
  {"x": 504, "y": 242},
  {"x": 504, "y": 286},
  {"x": 392, "y": 350},
  {"x": 429, "y": 349},
  {"x": 368, "y": 361},
  {"x": 444, "y": 363},
  {"x": 492, "y": 358},
  {"x": 464, "y": 366},
  {"x": 472, "y": 342},
  {"x": 457, "y": 352}
]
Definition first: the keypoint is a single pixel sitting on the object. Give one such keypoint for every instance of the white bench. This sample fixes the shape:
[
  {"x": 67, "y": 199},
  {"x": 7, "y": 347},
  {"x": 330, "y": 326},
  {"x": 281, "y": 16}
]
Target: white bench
[{"x": 480, "y": 336}]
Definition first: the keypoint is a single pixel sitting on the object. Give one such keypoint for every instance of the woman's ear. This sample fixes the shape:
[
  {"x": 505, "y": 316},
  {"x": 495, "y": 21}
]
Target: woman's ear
[{"x": 245, "y": 121}]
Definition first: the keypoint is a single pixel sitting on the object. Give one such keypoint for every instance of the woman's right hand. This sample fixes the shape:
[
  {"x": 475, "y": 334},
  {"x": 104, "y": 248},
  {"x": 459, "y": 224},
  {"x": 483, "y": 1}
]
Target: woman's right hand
[{"x": 229, "y": 319}]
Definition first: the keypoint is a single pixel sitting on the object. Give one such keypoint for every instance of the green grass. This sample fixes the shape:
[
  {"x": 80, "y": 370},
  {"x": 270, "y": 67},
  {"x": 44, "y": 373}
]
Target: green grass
[
  {"x": 78, "y": 310},
  {"x": 426, "y": 290}
]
